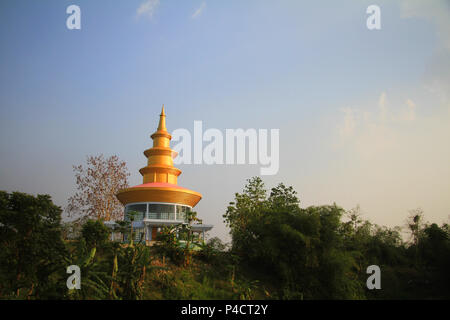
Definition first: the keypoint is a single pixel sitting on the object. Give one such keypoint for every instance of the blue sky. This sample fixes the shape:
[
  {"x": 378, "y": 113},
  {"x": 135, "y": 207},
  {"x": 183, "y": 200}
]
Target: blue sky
[{"x": 363, "y": 115}]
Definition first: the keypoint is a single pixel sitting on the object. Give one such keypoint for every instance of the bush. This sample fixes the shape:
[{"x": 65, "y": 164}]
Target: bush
[{"x": 95, "y": 233}]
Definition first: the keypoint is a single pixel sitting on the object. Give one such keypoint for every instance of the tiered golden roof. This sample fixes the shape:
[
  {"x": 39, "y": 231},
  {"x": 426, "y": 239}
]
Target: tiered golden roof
[
  {"x": 160, "y": 157},
  {"x": 160, "y": 177}
]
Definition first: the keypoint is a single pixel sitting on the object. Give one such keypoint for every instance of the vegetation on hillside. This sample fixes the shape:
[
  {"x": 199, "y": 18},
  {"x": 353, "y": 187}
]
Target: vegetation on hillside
[{"x": 278, "y": 251}]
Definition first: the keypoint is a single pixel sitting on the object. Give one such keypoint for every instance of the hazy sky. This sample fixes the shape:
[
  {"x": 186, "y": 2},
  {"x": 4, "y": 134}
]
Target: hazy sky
[{"x": 364, "y": 116}]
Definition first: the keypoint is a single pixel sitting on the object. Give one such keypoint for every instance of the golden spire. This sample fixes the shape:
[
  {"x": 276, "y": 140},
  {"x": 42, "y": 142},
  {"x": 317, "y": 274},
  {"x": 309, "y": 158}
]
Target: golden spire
[
  {"x": 160, "y": 157},
  {"x": 160, "y": 177},
  {"x": 162, "y": 120}
]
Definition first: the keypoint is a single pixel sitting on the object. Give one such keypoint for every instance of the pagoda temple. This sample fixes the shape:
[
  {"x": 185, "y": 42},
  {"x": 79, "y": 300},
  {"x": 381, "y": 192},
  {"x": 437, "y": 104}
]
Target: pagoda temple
[{"x": 159, "y": 201}]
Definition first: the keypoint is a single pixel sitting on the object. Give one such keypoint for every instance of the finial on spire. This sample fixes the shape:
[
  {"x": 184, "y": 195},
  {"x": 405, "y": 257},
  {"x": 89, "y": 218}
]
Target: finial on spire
[{"x": 162, "y": 121}]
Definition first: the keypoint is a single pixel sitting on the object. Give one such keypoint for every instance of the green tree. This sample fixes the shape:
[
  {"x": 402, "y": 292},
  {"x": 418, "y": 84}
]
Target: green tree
[
  {"x": 95, "y": 233},
  {"x": 168, "y": 244},
  {"x": 32, "y": 255},
  {"x": 300, "y": 250},
  {"x": 434, "y": 251},
  {"x": 94, "y": 276},
  {"x": 186, "y": 228},
  {"x": 133, "y": 264},
  {"x": 415, "y": 224},
  {"x": 240, "y": 214},
  {"x": 131, "y": 216}
]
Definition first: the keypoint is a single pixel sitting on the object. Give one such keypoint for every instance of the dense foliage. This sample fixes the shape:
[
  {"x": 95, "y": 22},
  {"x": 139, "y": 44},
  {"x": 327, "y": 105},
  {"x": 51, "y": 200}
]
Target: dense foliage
[
  {"x": 278, "y": 251},
  {"x": 312, "y": 253},
  {"x": 32, "y": 250}
]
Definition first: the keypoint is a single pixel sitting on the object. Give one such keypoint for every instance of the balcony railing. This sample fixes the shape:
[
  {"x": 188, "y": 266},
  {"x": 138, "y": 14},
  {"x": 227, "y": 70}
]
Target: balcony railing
[{"x": 166, "y": 216}]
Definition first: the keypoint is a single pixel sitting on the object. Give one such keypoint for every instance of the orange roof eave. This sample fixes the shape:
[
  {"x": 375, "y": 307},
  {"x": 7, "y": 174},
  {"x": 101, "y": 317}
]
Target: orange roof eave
[{"x": 159, "y": 192}]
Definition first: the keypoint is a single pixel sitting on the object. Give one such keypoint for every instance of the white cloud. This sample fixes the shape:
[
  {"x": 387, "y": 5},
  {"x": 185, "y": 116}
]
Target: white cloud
[
  {"x": 376, "y": 124},
  {"x": 409, "y": 114},
  {"x": 199, "y": 11},
  {"x": 147, "y": 8}
]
